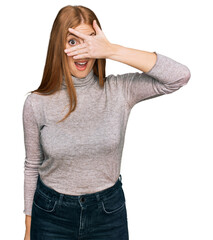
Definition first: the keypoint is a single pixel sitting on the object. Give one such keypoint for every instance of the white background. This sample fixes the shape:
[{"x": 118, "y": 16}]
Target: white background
[{"x": 167, "y": 157}]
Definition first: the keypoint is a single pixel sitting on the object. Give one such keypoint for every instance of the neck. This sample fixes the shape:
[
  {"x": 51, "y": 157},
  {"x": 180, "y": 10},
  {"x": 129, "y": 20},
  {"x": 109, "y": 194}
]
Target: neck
[{"x": 80, "y": 82}]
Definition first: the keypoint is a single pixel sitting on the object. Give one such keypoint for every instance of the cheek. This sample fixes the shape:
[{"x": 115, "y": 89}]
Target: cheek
[
  {"x": 67, "y": 45},
  {"x": 70, "y": 61}
]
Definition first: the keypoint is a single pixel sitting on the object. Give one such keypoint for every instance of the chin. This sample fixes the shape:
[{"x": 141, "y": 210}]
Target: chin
[{"x": 80, "y": 74}]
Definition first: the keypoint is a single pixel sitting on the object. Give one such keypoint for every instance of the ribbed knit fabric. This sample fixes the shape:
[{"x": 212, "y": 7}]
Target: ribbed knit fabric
[{"x": 83, "y": 153}]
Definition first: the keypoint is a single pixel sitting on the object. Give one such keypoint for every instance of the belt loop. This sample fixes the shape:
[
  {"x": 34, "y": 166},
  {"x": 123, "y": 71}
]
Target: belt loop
[
  {"x": 97, "y": 196},
  {"x": 60, "y": 198}
]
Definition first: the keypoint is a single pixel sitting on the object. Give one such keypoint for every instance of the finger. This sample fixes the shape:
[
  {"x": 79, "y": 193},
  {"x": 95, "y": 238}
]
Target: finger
[
  {"x": 79, "y": 34},
  {"x": 96, "y": 27},
  {"x": 76, "y": 52},
  {"x": 82, "y": 45},
  {"x": 82, "y": 56}
]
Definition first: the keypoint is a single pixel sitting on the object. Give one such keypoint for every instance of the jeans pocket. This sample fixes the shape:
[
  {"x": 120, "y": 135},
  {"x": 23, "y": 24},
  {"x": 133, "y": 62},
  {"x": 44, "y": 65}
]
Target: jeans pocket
[
  {"x": 44, "y": 202},
  {"x": 115, "y": 203}
]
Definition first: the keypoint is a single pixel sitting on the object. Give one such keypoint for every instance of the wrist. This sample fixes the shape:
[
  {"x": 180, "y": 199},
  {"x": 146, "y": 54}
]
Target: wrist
[{"x": 112, "y": 50}]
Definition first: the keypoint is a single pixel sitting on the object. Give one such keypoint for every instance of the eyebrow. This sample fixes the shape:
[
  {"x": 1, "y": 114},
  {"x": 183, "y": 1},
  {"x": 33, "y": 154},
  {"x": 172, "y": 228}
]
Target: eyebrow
[{"x": 71, "y": 34}]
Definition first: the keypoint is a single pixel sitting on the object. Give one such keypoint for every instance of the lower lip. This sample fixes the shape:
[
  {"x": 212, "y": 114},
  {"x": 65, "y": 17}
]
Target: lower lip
[{"x": 81, "y": 68}]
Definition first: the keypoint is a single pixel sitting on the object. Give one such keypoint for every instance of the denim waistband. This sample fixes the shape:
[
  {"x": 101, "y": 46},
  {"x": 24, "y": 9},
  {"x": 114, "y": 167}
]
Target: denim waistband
[{"x": 84, "y": 199}]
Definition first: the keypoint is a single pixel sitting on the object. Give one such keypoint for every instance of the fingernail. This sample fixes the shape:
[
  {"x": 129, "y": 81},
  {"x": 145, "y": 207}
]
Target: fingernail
[{"x": 65, "y": 50}]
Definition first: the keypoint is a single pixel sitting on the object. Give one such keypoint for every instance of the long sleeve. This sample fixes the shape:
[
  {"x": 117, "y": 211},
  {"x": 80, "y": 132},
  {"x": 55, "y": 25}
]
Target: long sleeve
[
  {"x": 166, "y": 76},
  {"x": 33, "y": 154}
]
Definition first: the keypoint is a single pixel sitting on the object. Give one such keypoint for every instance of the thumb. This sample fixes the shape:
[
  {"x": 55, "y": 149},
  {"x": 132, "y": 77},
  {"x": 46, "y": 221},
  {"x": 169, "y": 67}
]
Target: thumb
[{"x": 96, "y": 27}]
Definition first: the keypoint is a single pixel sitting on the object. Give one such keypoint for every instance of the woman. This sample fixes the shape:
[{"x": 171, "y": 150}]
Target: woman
[{"x": 72, "y": 185}]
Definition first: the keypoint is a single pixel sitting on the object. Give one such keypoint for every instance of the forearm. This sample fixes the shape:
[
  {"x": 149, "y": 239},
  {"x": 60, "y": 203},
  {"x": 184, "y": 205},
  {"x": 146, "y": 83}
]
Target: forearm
[
  {"x": 28, "y": 223},
  {"x": 139, "y": 59}
]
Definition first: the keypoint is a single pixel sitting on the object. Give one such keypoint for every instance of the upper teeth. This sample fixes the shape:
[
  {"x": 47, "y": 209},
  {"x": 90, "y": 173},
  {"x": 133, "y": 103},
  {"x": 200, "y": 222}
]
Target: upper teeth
[{"x": 81, "y": 63}]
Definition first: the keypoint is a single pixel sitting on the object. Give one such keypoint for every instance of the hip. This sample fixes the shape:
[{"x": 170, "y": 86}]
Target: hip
[{"x": 100, "y": 215}]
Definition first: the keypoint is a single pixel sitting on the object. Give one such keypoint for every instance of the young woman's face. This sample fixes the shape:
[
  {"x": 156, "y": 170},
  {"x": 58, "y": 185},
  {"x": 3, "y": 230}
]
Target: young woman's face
[{"x": 72, "y": 40}]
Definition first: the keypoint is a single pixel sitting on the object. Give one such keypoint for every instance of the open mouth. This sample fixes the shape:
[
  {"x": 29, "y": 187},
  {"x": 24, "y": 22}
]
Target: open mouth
[{"x": 81, "y": 65}]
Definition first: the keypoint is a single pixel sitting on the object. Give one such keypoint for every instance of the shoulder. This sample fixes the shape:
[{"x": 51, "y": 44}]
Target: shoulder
[
  {"x": 32, "y": 96},
  {"x": 122, "y": 78},
  {"x": 33, "y": 100},
  {"x": 117, "y": 78}
]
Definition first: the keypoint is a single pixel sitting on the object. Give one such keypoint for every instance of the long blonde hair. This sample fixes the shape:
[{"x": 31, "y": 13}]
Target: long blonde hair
[{"x": 56, "y": 65}]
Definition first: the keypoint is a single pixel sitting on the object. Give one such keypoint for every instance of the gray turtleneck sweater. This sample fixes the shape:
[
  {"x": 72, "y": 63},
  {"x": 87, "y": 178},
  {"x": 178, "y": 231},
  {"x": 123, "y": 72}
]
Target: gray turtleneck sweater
[{"x": 83, "y": 153}]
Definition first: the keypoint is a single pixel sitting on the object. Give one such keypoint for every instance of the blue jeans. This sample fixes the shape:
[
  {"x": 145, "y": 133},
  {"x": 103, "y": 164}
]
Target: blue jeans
[{"x": 97, "y": 216}]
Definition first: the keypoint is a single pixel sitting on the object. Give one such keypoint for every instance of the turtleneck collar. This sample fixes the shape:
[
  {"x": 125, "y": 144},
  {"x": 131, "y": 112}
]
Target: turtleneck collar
[{"x": 80, "y": 82}]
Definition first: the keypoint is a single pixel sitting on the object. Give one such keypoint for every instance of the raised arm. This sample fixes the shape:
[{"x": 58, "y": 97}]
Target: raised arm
[
  {"x": 162, "y": 74},
  {"x": 139, "y": 59}
]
